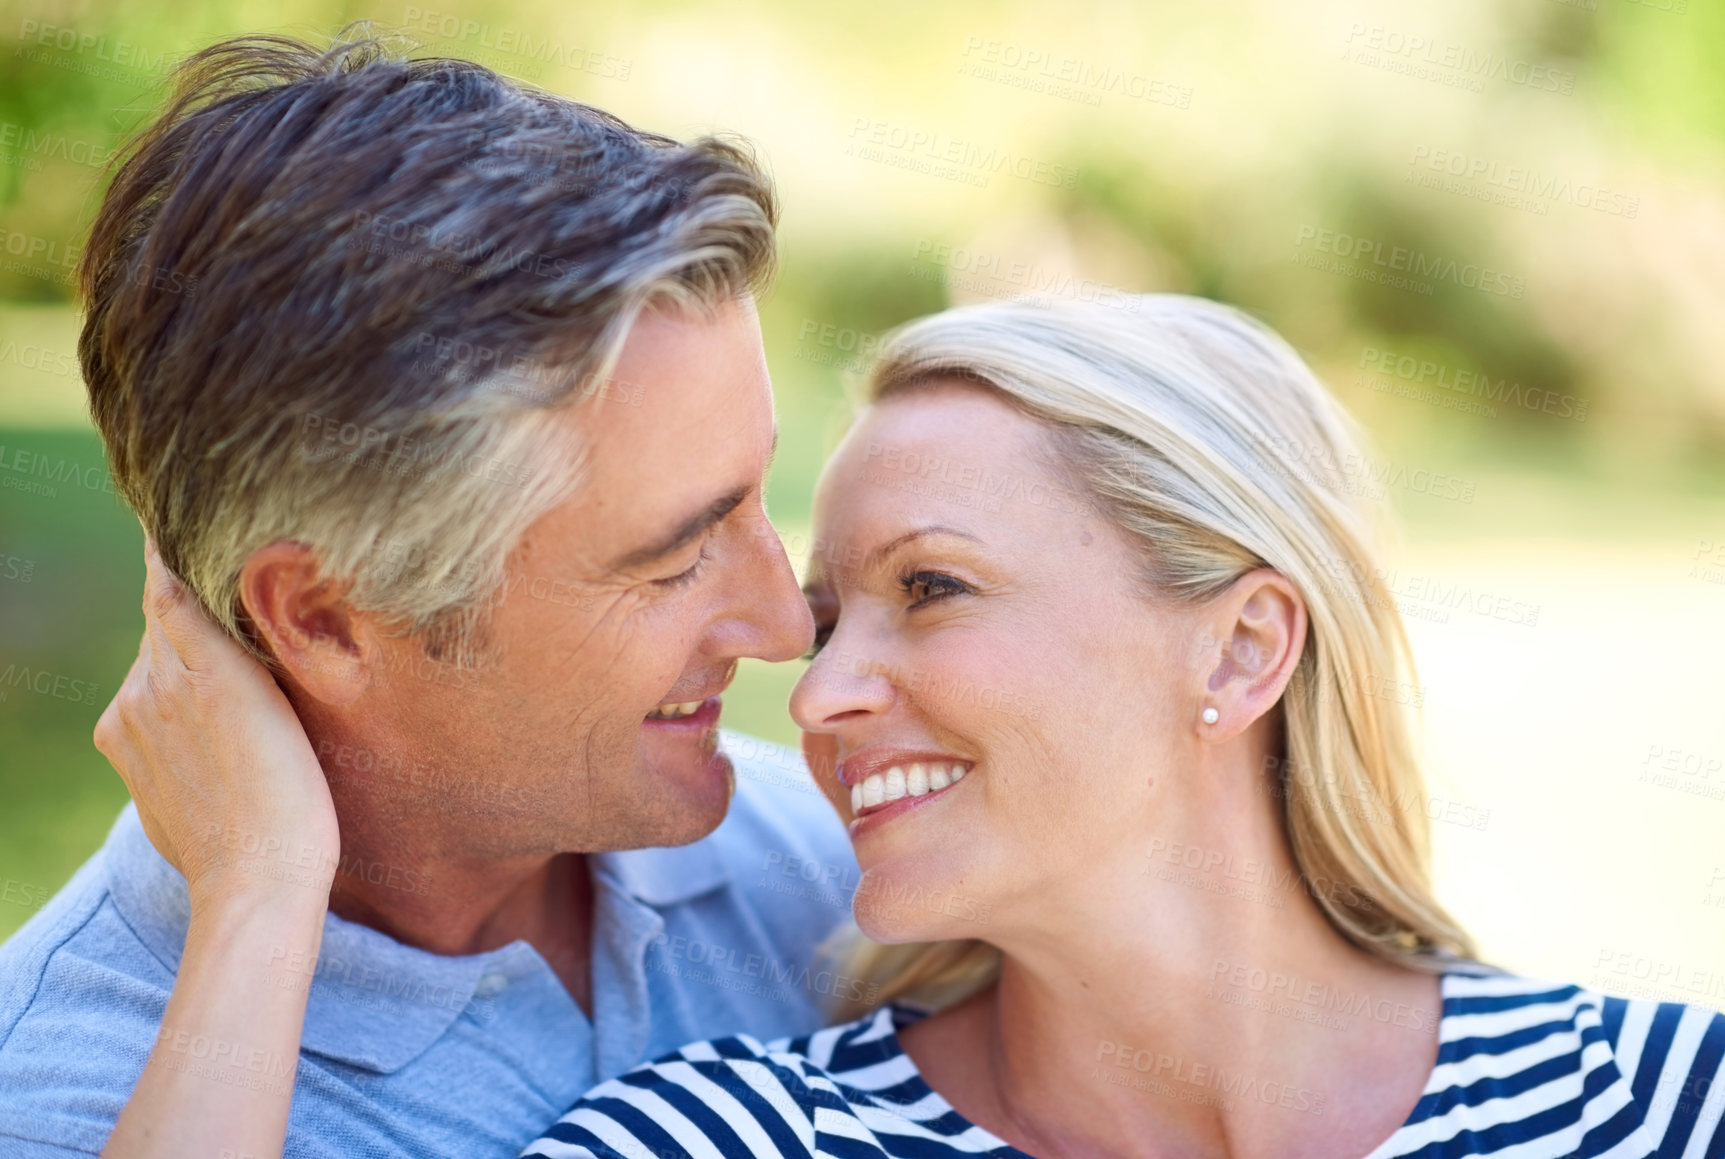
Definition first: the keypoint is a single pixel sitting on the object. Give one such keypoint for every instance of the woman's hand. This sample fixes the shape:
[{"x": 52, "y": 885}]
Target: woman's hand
[{"x": 225, "y": 781}]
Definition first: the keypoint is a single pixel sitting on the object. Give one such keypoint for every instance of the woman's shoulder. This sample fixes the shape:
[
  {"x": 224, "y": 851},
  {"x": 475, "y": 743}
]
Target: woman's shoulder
[
  {"x": 1640, "y": 1029},
  {"x": 743, "y": 1096},
  {"x": 1638, "y": 1063},
  {"x": 1672, "y": 1053}
]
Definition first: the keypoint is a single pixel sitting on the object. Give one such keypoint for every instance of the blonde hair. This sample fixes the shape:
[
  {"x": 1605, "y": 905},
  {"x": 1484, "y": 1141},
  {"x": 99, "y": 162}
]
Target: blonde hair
[{"x": 1207, "y": 440}]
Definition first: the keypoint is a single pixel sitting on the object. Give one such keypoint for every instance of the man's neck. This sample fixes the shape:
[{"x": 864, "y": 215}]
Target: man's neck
[
  {"x": 457, "y": 905},
  {"x": 437, "y": 873}
]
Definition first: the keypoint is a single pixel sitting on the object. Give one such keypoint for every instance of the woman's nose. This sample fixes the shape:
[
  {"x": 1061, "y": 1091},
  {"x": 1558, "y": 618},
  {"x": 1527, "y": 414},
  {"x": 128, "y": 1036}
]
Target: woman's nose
[{"x": 842, "y": 685}]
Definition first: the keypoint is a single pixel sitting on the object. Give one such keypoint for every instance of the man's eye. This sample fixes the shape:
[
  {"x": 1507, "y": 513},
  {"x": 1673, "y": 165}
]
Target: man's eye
[
  {"x": 685, "y": 577},
  {"x": 925, "y": 587}
]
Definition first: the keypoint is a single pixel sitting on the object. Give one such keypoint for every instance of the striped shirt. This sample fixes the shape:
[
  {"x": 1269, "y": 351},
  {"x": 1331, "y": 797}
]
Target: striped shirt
[{"x": 1525, "y": 1070}]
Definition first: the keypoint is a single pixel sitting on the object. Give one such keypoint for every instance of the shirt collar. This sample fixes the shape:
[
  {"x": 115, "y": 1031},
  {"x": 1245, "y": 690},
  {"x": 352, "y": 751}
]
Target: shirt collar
[
  {"x": 375, "y": 1003},
  {"x": 665, "y": 876}
]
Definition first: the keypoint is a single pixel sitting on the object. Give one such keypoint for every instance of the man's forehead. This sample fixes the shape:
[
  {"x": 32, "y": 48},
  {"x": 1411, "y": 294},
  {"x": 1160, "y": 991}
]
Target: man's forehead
[{"x": 685, "y": 421}]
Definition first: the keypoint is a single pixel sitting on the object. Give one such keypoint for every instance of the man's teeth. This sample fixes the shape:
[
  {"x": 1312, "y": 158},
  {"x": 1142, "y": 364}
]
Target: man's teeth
[
  {"x": 673, "y": 711},
  {"x": 916, "y": 780}
]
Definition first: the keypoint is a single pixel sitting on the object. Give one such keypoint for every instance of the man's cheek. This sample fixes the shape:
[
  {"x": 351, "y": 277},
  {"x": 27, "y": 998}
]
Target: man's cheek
[
  {"x": 633, "y": 649},
  {"x": 566, "y": 619}
]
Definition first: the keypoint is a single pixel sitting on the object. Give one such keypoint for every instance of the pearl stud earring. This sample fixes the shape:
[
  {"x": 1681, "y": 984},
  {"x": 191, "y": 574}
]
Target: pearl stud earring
[{"x": 1211, "y": 716}]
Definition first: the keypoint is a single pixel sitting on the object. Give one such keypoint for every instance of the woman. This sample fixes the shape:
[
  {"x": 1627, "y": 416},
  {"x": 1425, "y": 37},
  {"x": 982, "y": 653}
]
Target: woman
[
  {"x": 1110, "y": 674},
  {"x": 1098, "y": 687}
]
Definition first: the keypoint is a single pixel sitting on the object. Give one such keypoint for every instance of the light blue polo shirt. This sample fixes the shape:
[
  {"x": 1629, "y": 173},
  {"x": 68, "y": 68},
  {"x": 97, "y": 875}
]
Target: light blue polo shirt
[{"x": 408, "y": 1053}]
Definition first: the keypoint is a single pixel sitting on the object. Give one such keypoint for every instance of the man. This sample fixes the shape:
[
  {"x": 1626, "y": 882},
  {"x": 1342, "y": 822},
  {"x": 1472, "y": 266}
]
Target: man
[{"x": 447, "y": 400}]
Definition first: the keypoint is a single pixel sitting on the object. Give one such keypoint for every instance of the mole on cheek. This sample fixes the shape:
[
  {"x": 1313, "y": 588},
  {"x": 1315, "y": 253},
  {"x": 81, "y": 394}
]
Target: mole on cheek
[{"x": 1084, "y": 538}]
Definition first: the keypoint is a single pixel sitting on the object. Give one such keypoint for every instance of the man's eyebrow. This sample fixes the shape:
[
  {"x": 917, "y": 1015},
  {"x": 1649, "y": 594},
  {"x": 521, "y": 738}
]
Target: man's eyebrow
[{"x": 685, "y": 533}]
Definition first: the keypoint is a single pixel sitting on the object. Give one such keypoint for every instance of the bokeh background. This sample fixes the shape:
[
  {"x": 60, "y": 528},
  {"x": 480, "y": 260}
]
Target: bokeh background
[{"x": 1566, "y": 584}]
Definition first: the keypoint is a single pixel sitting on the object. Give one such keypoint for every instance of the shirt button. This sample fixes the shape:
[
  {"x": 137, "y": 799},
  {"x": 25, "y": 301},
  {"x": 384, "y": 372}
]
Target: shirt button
[{"x": 490, "y": 984}]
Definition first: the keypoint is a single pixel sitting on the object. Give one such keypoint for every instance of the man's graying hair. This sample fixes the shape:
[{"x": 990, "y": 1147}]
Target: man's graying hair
[{"x": 339, "y": 297}]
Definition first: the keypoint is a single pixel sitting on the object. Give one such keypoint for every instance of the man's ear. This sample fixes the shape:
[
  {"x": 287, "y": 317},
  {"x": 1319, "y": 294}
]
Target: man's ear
[
  {"x": 305, "y": 621},
  {"x": 1261, "y": 622}
]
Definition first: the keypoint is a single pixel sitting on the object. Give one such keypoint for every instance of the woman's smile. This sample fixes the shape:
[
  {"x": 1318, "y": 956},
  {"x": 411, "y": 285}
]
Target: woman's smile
[{"x": 884, "y": 781}]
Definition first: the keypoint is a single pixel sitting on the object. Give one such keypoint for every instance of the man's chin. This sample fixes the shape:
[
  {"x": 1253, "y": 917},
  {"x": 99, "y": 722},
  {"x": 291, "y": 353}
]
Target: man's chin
[{"x": 694, "y": 774}]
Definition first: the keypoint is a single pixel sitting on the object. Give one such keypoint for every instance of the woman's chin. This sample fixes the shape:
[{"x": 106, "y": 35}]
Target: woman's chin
[{"x": 892, "y": 908}]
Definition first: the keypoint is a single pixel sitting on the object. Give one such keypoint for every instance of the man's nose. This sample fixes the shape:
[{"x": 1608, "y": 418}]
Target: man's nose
[{"x": 772, "y": 608}]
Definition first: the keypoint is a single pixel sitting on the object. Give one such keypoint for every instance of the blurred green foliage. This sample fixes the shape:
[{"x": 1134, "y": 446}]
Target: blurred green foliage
[{"x": 1288, "y": 131}]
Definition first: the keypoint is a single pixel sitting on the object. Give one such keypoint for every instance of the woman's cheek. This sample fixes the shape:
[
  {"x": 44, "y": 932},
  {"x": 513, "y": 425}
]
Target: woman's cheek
[{"x": 821, "y": 753}]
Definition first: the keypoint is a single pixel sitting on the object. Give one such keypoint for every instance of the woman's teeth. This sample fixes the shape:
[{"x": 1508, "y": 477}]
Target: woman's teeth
[
  {"x": 916, "y": 780},
  {"x": 673, "y": 711}
]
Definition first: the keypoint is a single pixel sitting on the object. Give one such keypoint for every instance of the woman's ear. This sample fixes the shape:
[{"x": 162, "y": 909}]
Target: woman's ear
[
  {"x": 1260, "y": 623},
  {"x": 306, "y": 623}
]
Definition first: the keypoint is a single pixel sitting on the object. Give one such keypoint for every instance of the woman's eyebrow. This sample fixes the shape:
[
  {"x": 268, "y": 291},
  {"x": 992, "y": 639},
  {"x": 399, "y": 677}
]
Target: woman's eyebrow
[
  {"x": 878, "y": 554},
  {"x": 824, "y": 576}
]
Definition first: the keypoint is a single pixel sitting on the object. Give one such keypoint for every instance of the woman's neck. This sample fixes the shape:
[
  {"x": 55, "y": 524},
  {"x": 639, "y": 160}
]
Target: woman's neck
[{"x": 1209, "y": 1009}]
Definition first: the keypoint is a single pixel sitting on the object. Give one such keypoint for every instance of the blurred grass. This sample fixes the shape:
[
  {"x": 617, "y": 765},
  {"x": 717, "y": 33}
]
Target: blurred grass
[{"x": 76, "y": 618}]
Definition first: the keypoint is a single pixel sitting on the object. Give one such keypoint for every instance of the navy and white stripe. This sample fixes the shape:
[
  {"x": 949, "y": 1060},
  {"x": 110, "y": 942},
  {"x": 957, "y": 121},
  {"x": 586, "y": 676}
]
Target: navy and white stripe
[{"x": 1525, "y": 1070}]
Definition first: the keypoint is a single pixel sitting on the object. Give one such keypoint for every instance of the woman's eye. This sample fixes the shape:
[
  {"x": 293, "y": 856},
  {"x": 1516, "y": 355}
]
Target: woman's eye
[
  {"x": 925, "y": 587},
  {"x": 822, "y": 633}
]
